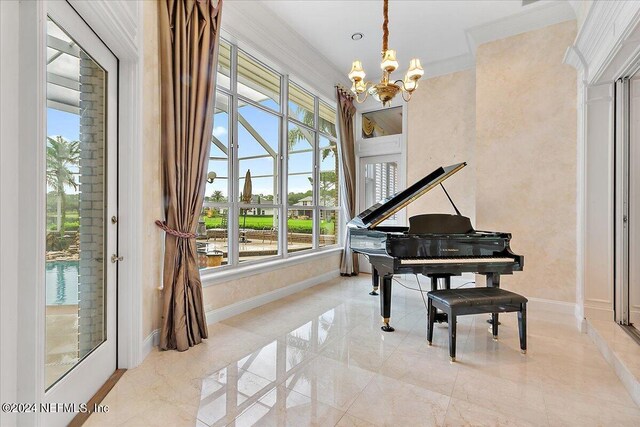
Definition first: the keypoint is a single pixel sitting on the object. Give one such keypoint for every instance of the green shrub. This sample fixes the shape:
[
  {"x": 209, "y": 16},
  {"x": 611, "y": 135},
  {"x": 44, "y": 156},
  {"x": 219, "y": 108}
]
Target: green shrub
[{"x": 71, "y": 226}]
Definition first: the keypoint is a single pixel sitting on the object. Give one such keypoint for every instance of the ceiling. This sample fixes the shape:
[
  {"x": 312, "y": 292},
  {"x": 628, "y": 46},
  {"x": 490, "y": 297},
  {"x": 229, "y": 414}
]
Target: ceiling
[{"x": 436, "y": 31}]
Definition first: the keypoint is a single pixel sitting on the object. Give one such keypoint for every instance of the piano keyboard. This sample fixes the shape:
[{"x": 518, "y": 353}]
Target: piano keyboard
[{"x": 447, "y": 260}]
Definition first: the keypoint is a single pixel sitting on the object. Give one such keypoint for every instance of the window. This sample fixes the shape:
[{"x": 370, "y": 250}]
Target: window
[{"x": 272, "y": 183}]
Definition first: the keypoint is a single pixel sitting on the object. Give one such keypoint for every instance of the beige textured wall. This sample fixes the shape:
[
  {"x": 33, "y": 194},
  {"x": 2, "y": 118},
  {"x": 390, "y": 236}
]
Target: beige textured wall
[
  {"x": 442, "y": 132},
  {"x": 227, "y": 293},
  {"x": 152, "y": 172},
  {"x": 526, "y": 155}
]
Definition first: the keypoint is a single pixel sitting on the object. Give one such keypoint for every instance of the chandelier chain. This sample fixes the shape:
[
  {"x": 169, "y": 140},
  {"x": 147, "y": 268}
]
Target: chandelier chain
[
  {"x": 387, "y": 88},
  {"x": 385, "y": 26}
]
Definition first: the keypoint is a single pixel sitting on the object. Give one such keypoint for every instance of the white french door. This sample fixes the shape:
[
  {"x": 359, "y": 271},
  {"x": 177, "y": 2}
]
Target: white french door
[
  {"x": 634, "y": 201},
  {"x": 628, "y": 194},
  {"x": 81, "y": 212}
]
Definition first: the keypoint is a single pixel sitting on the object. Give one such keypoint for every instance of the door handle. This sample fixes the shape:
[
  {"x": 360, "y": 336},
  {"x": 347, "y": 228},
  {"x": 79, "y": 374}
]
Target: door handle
[{"x": 115, "y": 258}]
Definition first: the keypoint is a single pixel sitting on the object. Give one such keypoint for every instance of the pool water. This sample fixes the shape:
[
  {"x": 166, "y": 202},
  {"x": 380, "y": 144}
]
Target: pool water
[{"x": 62, "y": 279}]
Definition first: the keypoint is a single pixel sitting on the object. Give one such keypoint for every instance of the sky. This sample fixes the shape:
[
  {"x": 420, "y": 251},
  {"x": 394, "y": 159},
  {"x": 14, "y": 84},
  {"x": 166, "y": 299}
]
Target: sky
[{"x": 67, "y": 125}]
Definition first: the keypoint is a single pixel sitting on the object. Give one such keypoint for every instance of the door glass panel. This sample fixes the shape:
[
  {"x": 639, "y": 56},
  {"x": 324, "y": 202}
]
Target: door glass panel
[
  {"x": 634, "y": 201},
  {"x": 75, "y": 204}
]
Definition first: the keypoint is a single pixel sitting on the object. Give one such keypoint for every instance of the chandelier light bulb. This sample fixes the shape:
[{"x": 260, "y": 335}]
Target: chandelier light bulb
[
  {"x": 357, "y": 73},
  {"x": 415, "y": 70},
  {"x": 389, "y": 62}
]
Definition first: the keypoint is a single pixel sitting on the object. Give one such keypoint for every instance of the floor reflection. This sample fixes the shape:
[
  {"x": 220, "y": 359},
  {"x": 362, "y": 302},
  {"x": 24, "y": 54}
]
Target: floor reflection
[{"x": 255, "y": 381}]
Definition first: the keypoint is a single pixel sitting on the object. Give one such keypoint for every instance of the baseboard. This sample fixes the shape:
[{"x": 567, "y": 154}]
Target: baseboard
[
  {"x": 616, "y": 360},
  {"x": 152, "y": 340},
  {"x": 251, "y": 303},
  {"x": 598, "y": 313},
  {"x": 581, "y": 322},
  {"x": 553, "y": 306}
]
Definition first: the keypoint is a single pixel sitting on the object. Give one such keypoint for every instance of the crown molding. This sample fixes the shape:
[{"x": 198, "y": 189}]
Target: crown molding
[
  {"x": 575, "y": 58},
  {"x": 522, "y": 22},
  {"x": 115, "y": 22},
  {"x": 607, "y": 26},
  {"x": 449, "y": 65},
  {"x": 272, "y": 40}
]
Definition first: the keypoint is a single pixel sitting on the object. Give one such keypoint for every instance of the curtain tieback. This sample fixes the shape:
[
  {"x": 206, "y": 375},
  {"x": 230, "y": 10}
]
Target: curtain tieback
[{"x": 175, "y": 233}]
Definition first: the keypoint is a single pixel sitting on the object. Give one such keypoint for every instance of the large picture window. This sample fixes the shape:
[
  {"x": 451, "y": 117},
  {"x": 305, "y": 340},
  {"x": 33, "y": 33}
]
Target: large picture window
[{"x": 272, "y": 184}]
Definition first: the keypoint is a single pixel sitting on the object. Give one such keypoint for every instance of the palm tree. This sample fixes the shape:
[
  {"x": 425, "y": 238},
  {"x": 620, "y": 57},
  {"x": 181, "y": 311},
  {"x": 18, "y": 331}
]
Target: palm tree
[
  {"x": 217, "y": 196},
  {"x": 297, "y": 134},
  {"x": 61, "y": 155}
]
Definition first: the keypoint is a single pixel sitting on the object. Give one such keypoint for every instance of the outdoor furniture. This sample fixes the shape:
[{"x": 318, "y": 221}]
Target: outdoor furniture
[{"x": 458, "y": 302}]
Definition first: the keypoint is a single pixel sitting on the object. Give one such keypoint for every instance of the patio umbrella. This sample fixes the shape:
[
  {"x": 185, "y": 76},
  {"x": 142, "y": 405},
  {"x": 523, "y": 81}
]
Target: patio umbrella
[{"x": 246, "y": 194}]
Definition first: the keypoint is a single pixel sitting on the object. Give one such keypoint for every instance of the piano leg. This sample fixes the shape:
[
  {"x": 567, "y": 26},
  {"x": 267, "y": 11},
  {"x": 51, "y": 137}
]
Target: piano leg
[
  {"x": 385, "y": 303},
  {"x": 375, "y": 281},
  {"x": 440, "y": 317},
  {"x": 434, "y": 281},
  {"x": 493, "y": 281}
]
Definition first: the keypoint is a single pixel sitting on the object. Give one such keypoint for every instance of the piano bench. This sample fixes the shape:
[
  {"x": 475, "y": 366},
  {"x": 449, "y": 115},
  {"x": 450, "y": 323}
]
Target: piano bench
[{"x": 459, "y": 302}]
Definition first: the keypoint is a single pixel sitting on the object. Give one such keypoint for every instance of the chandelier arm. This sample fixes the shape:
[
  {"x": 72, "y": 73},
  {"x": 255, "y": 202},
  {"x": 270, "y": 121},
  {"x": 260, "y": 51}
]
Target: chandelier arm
[
  {"x": 357, "y": 98},
  {"x": 385, "y": 27},
  {"x": 404, "y": 91}
]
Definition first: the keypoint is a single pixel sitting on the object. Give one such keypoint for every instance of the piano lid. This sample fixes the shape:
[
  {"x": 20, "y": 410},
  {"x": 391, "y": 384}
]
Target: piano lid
[{"x": 387, "y": 207}]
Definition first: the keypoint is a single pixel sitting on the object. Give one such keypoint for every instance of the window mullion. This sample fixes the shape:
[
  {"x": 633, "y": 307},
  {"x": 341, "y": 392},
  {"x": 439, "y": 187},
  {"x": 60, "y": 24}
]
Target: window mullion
[
  {"x": 233, "y": 233},
  {"x": 316, "y": 174},
  {"x": 284, "y": 167}
]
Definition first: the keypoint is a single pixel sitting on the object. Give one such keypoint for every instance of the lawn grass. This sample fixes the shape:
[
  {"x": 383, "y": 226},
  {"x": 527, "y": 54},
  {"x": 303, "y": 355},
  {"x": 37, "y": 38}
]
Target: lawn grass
[{"x": 262, "y": 222}]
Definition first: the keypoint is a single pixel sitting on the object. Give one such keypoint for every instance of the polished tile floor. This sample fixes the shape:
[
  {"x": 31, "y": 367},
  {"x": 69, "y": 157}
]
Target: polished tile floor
[{"x": 319, "y": 358}]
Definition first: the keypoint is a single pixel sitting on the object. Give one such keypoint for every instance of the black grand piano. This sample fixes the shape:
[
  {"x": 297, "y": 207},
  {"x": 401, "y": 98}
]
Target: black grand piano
[{"x": 438, "y": 246}]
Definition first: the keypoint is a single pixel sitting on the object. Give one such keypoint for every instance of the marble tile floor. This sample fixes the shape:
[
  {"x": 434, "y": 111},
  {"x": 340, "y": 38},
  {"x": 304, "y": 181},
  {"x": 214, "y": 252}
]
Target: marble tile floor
[{"x": 319, "y": 358}]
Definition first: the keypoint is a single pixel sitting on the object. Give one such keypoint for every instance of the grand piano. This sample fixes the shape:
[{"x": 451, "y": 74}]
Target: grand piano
[{"x": 438, "y": 246}]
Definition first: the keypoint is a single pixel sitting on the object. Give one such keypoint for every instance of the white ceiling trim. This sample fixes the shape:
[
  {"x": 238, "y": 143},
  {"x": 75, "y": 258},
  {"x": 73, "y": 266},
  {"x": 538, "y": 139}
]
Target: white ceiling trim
[
  {"x": 262, "y": 32},
  {"x": 606, "y": 30},
  {"x": 259, "y": 31},
  {"x": 449, "y": 65},
  {"x": 525, "y": 21}
]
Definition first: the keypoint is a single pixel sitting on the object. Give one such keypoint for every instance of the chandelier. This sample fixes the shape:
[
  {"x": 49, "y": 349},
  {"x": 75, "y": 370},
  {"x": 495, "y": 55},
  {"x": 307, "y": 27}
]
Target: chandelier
[{"x": 386, "y": 90}]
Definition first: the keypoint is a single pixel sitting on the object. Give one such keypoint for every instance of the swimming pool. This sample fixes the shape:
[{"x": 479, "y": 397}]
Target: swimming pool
[{"x": 61, "y": 279}]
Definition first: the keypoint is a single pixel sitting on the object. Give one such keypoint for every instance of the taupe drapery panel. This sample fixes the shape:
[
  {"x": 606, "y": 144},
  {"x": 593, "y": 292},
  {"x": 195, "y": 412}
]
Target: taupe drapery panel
[
  {"x": 346, "y": 115},
  {"x": 189, "y": 34}
]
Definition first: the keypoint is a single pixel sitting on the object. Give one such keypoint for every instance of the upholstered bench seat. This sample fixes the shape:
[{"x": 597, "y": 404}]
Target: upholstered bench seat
[{"x": 458, "y": 302}]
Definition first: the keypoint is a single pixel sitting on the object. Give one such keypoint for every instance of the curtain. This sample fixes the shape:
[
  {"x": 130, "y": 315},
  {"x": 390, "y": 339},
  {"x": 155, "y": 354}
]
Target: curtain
[
  {"x": 189, "y": 34},
  {"x": 346, "y": 114}
]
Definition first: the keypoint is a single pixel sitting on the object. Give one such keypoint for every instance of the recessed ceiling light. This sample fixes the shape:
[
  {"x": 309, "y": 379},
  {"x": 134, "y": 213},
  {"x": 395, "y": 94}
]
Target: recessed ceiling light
[{"x": 357, "y": 36}]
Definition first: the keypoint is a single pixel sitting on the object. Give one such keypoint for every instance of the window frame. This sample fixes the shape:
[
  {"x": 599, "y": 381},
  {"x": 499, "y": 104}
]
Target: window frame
[{"x": 281, "y": 204}]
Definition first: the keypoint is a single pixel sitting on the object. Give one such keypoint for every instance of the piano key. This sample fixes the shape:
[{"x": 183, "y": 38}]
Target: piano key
[{"x": 447, "y": 260}]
